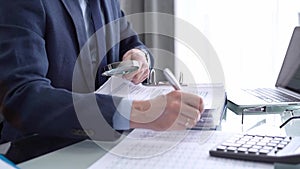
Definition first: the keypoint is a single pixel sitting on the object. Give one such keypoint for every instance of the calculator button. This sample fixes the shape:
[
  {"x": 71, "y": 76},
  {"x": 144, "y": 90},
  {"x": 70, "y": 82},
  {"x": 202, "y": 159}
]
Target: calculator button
[
  {"x": 281, "y": 146},
  {"x": 251, "y": 142},
  {"x": 257, "y": 147},
  {"x": 284, "y": 142},
  {"x": 264, "y": 141},
  {"x": 263, "y": 152},
  {"x": 261, "y": 143},
  {"x": 252, "y": 150},
  {"x": 231, "y": 149},
  {"x": 275, "y": 141},
  {"x": 279, "y": 138},
  {"x": 242, "y": 150},
  {"x": 241, "y": 142},
  {"x": 247, "y": 146},
  {"x": 268, "y": 148},
  {"x": 256, "y": 138},
  {"x": 271, "y": 144},
  {"x": 221, "y": 148}
]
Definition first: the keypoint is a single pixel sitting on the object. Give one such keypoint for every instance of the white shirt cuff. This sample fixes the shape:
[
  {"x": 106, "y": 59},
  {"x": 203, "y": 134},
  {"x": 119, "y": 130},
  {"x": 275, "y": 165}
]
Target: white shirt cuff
[{"x": 121, "y": 118}]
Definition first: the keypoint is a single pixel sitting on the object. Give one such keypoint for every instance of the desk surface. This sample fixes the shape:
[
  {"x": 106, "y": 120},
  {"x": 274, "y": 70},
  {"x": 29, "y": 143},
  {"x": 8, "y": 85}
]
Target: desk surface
[
  {"x": 78, "y": 156},
  {"x": 83, "y": 154}
]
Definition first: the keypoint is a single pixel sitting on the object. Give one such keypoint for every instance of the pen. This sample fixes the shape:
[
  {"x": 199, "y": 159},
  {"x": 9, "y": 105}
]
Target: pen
[{"x": 171, "y": 79}]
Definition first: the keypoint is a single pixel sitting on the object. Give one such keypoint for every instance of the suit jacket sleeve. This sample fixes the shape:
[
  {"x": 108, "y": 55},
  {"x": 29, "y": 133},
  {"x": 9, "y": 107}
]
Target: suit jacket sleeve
[{"x": 28, "y": 100}]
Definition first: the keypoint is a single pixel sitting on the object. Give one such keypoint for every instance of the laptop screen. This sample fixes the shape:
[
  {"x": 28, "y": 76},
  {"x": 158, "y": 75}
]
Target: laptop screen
[{"x": 289, "y": 76}]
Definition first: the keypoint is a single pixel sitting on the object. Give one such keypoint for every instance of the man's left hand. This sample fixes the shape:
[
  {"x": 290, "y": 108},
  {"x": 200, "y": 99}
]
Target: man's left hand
[{"x": 142, "y": 73}]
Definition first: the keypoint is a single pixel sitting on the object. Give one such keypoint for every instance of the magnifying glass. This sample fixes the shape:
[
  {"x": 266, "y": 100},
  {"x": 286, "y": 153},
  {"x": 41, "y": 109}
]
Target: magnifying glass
[{"x": 121, "y": 68}]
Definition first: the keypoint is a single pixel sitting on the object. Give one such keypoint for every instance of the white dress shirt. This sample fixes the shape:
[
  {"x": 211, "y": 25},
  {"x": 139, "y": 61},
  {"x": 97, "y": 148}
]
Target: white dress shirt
[{"x": 121, "y": 118}]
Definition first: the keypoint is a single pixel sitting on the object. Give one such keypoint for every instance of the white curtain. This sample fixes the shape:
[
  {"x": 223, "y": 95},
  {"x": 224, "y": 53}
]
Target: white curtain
[
  {"x": 250, "y": 38},
  {"x": 162, "y": 47}
]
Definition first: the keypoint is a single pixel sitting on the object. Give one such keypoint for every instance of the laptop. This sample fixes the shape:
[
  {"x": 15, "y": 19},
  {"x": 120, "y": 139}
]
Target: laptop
[{"x": 285, "y": 94}]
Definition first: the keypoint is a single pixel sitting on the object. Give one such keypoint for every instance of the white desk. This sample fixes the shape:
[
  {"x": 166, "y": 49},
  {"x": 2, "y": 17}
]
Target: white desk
[
  {"x": 77, "y": 156},
  {"x": 85, "y": 153}
]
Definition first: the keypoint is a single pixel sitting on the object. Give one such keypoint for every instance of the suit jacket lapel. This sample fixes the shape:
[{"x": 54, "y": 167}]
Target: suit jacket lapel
[
  {"x": 83, "y": 68},
  {"x": 74, "y": 11},
  {"x": 100, "y": 28}
]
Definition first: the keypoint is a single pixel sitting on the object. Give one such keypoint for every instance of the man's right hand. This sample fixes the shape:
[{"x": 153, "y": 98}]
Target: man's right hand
[{"x": 175, "y": 111}]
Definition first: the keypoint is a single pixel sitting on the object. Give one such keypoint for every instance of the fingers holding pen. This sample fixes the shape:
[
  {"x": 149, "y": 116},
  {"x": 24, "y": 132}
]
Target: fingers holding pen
[
  {"x": 194, "y": 101},
  {"x": 188, "y": 106},
  {"x": 175, "y": 111},
  {"x": 191, "y": 105},
  {"x": 191, "y": 113}
]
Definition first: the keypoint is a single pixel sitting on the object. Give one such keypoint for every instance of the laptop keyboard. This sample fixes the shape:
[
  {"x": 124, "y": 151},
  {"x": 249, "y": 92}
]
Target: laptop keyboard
[{"x": 271, "y": 95}]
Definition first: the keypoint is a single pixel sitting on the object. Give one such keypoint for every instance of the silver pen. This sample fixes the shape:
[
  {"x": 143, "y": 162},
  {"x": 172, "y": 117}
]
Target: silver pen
[{"x": 171, "y": 79}]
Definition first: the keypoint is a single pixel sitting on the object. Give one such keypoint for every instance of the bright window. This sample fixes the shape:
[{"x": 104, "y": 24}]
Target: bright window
[{"x": 250, "y": 38}]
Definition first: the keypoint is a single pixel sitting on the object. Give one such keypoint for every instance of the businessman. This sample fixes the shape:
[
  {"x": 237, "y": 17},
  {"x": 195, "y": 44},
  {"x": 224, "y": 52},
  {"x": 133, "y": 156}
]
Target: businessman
[{"x": 44, "y": 44}]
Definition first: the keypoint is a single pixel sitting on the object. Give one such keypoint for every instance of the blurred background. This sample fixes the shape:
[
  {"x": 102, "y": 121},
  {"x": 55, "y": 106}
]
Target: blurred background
[{"x": 250, "y": 37}]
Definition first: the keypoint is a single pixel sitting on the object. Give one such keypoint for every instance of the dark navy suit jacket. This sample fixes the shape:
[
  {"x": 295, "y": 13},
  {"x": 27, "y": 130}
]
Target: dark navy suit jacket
[{"x": 40, "y": 41}]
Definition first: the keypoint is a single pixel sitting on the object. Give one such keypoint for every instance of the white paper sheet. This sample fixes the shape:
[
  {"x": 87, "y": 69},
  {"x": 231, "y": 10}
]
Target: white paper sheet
[
  {"x": 144, "y": 149},
  {"x": 212, "y": 94}
]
